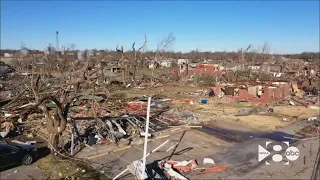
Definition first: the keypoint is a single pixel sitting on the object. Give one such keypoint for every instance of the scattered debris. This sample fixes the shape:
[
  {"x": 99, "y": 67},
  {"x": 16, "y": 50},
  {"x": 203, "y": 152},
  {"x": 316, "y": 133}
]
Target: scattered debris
[
  {"x": 246, "y": 112},
  {"x": 314, "y": 107},
  {"x": 315, "y": 117},
  {"x": 292, "y": 103},
  {"x": 270, "y": 111},
  {"x": 177, "y": 168},
  {"x": 204, "y": 101},
  {"x": 176, "y": 116},
  {"x": 208, "y": 161},
  {"x": 155, "y": 150},
  {"x": 211, "y": 93},
  {"x": 6, "y": 128},
  {"x": 172, "y": 173},
  {"x": 135, "y": 168},
  {"x": 6, "y": 71},
  {"x": 285, "y": 119},
  {"x": 308, "y": 131}
]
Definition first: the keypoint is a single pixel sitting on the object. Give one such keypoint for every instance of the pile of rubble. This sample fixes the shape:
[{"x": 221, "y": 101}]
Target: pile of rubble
[
  {"x": 6, "y": 71},
  {"x": 305, "y": 100},
  {"x": 313, "y": 127},
  {"x": 178, "y": 117},
  {"x": 104, "y": 130},
  {"x": 95, "y": 119}
]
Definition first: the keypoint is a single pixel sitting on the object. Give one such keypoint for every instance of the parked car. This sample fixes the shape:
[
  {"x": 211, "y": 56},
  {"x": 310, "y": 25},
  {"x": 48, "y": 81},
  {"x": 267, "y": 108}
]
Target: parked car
[{"x": 13, "y": 153}]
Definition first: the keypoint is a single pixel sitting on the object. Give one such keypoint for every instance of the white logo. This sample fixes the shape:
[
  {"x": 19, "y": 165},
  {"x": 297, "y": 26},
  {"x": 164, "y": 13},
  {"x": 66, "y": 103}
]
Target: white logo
[{"x": 292, "y": 153}]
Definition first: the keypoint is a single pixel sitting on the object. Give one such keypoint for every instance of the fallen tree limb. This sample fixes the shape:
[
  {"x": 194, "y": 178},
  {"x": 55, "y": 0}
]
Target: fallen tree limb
[{"x": 14, "y": 99}]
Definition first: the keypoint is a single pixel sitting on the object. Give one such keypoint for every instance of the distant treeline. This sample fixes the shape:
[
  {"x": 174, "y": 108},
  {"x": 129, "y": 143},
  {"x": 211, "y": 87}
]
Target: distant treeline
[
  {"x": 305, "y": 56},
  {"x": 191, "y": 55}
]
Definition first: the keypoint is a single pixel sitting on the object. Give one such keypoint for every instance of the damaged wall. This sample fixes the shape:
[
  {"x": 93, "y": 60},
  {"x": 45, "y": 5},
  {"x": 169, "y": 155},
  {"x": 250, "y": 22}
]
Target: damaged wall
[{"x": 251, "y": 93}]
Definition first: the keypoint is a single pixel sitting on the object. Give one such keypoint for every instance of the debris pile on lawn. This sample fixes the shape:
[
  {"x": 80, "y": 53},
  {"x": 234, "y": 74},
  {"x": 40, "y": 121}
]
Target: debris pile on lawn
[
  {"x": 195, "y": 93},
  {"x": 177, "y": 116},
  {"x": 246, "y": 112},
  {"x": 313, "y": 127},
  {"x": 98, "y": 119},
  {"x": 110, "y": 129},
  {"x": 139, "y": 107},
  {"x": 305, "y": 100}
]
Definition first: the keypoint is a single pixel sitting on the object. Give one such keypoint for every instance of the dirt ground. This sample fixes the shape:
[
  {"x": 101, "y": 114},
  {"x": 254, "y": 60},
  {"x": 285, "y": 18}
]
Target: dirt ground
[
  {"x": 220, "y": 110},
  {"x": 51, "y": 167}
]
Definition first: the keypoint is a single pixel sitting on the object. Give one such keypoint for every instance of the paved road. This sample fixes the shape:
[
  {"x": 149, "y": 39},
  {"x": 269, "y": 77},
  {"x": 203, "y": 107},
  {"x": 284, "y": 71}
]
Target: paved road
[
  {"x": 191, "y": 145},
  {"x": 241, "y": 159}
]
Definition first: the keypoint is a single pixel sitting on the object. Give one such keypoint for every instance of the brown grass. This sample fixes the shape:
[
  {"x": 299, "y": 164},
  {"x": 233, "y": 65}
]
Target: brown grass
[{"x": 57, "y": 168}]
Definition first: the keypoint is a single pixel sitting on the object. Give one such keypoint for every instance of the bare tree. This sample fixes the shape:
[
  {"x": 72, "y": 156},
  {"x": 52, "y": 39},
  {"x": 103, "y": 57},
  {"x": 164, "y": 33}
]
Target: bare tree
[
  {"x": 195, "y": 55},
  {"x": 163, "y": 46},
  {"x": 135, "y": 56},
  {"x": 265, "y": 51},
  {"x": 72, "y": 47},
  {"x": 242, "y": 53},
  {"x": 252, "y": 55},
  {"x": 122, "y": 64},
  {"x": 51, "y": 48},
  {"x": 56, "y": 120}
]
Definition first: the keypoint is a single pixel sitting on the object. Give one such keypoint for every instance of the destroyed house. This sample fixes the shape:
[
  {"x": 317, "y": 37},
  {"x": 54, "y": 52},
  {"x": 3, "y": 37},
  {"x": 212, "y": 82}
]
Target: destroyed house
[
  {"x": 201, "y": 68},
  {"x": 154, "y": 64},
  {"x": 275, "y": 68},
  {"x": 232, "y": 66},
  {"x": 184, "y": 67},
  {"x": 254, "y": 67},
  {"x": 110, "y": 66},
  {"x": 255, "y": 93},
  {"x": 166, "y": 63},
  {"x": 267, "y": 68},
  {"x": 182, "y": 61},
  {"x": 114, "y": 69}
]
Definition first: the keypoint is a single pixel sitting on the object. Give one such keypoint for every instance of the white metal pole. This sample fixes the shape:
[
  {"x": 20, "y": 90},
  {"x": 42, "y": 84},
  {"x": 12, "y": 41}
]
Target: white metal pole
[
  {"x": 156, "y": 149},
  {"x": 146, "y": 137}
]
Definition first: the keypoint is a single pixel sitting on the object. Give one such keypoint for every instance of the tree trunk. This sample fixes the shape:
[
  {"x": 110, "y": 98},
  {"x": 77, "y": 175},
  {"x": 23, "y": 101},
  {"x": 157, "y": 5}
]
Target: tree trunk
[
  {"x": 152, "y": 74},
  {"x": 123, "y": 76},
  {"x": 134, "y": 70},
  {"x": 127, "y": 71},
  {"x": 55, "y": 126},
  {"x": 124, "y": 73},
  {"x": 134, "y": 67},
  {"x": 53, "y": 139}
]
